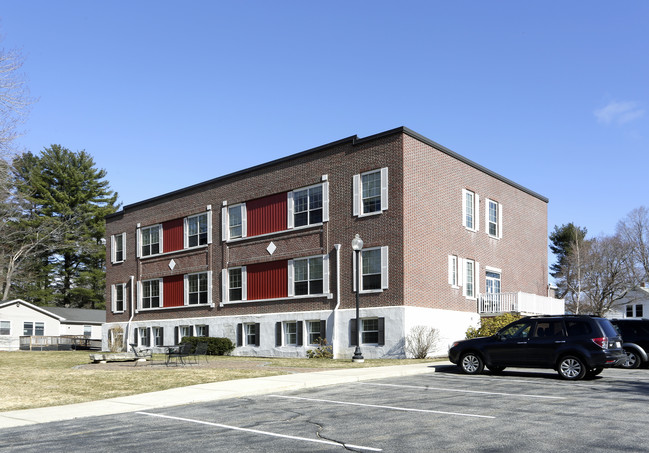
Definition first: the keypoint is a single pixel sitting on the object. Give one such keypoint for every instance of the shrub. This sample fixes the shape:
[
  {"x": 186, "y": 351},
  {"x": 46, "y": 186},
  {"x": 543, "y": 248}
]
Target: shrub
[
  {"x": 421, "y": 341},
  {"x": 323, "y": 351},
  {"x": 489, "y": 326},
  {"x": 215, "y": 345}
]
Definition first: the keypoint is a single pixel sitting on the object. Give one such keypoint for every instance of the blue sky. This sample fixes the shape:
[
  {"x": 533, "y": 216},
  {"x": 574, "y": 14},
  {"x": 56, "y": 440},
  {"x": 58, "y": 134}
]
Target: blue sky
[{"x": 553, "y": 95}]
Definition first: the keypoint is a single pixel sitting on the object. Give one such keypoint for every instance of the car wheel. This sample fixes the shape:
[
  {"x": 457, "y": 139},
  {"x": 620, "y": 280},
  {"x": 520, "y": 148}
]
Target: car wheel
[
  {"x": 496, "y": 369},
  {"x": 571, "y": 368},
  {"x": 632, "y": 359},
  {"x": 471, "y": 363}
]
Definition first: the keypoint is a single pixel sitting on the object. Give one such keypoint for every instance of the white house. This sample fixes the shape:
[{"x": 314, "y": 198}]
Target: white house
[
  {"x": 634, "y": 305},
  {"x": 22, "y": 319}
]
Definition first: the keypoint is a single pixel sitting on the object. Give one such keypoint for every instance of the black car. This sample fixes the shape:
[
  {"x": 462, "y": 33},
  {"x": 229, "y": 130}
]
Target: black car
[
  {"x": 575, "y": 346},
  {"x": 635, "y": 341}
]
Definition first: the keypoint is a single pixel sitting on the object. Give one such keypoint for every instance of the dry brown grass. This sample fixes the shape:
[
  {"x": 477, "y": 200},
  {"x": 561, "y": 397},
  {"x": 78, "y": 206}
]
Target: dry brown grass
[{"x": 49, "y": 378}]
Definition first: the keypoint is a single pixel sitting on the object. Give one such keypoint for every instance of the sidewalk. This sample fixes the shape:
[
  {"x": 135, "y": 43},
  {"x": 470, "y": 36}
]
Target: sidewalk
[{"x": 209, "y": 392}]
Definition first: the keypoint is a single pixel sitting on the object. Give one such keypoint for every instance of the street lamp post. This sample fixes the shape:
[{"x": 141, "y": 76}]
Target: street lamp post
[{"x": 357, "y": 246}]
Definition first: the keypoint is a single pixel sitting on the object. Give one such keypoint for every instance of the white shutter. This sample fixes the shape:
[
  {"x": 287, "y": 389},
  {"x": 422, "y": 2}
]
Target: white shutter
[
  {"x": 450, "y": 270},
  {"x": 244, "y": 221},
  {"x": 161, "y": 288},
  {"x": 209, "y": 287},
  {"x": 185, "y": 289},
  {"x": 486, "y": 214},
  {"x": 225, "y": 295},
  {"x": 224, "y": 224},
  {"x": 112, "y": 298},
  {"x": 354, "y": 268},
  {"x": 138, "y": 304},
  {"x": 500, "y": 221},
  {"x": 476, "y": 279},
  {"x": 244, "y": 283},
  {"x": 124, "y": 247},
  {"x": 464, "y": 208},
  {"x": 209, "y": 226},
  {"x": 460, "y": 272},
  {"x": 325, "y": 274},
  {"x": 357, "y": 195},
  {"x": 384, "y": 267},
  {"x": 291, "y": 289},
  {"x": 476, "y": 212},
  {"x": 112, "y": 249},
  {"x": 138, "y": 241},
  {"x": 185, "y": 233},
  {"x": 290, "y": 206},
  {"x": 325, "y": 201},
  {"x": 384, "y": 188}
]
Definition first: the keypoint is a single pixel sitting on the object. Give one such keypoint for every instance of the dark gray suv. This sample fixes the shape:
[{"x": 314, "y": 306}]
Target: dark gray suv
[{"x": 575, "y": 346}]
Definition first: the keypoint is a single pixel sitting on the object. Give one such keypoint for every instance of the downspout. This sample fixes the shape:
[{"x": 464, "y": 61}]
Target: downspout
[
  {"x": 128, "y": 324},
  {"x": 334, "y": 338}
]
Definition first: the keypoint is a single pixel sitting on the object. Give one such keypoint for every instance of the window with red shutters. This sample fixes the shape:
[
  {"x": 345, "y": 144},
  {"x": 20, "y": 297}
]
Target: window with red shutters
[
  {"x": 174, "y": 291},
  {"x": 267, "y": 280},
  {"x": 267, "y": 215},
  {"x": 172, "y": 235}
]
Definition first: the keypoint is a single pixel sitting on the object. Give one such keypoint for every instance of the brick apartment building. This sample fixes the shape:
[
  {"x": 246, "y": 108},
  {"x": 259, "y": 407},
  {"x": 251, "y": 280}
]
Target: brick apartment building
[{"x": 263, "y": 256}]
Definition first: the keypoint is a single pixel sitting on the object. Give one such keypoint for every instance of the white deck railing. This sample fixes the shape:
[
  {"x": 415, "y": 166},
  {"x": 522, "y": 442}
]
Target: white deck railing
[{"x": 524, "y": 303}]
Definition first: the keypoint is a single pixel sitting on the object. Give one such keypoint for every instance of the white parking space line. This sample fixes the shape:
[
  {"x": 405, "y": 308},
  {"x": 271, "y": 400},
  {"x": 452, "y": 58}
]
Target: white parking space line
[
  {"x": 439, "y": 389},
  {"x": 403, "y": 409},
  {"x": 265, "y": 433}
]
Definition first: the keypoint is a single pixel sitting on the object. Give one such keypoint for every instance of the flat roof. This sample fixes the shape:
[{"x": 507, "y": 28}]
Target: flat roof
[{"x": 354, "y": 140}]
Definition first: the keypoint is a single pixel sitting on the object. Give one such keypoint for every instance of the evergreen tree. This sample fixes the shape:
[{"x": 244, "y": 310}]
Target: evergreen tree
[{"x": 66, "y": 189}]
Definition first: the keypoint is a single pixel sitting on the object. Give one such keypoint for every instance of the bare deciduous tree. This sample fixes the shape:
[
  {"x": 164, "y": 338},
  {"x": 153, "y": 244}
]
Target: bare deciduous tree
[
  {"x": 421, "y": 341},
  {"x": 634, "y": 230},
  {"x": 14, "y": 99}
]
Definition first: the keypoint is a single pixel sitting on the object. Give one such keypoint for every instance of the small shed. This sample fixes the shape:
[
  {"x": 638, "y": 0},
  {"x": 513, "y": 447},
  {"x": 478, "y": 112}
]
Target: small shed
[{"x": 27, "y": 326}]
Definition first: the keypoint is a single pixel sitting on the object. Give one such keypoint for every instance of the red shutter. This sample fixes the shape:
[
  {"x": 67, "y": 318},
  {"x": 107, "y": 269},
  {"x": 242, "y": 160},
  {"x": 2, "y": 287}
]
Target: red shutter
[
  {"x": 267, "y": 280},
  {"x": 172, "y": 235},
  {"x": 266, "y": 215},
  {"x": 173, "y": 291}
]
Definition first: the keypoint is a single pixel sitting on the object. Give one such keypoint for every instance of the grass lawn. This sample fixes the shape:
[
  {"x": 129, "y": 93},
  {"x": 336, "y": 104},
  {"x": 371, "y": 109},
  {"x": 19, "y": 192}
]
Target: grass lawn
[{"x": 49, "y": 378}]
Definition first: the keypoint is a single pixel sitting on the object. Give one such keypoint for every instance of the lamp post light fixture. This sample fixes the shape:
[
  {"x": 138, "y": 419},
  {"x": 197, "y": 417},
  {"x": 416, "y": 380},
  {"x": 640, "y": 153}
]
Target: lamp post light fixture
[{"x": 357, "y": 246}]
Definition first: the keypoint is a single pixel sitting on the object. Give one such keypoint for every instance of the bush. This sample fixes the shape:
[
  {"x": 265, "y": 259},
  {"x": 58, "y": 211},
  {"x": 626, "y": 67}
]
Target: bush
[
  {"x": 420, "y": 341},
  {"x": 489, "y": 326},
  {"x": 323, "y": 351},
  {"x": 215, "y": 345}
]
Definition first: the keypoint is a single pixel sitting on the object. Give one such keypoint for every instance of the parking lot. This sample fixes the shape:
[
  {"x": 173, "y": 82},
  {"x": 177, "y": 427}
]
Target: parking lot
[{"x": 520, "y": 410}]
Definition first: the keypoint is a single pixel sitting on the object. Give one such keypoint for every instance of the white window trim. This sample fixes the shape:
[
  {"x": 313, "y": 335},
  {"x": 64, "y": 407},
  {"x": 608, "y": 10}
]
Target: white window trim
[
  {"x": 140, "y": 245},
  {"x": 358, "y": 193},
  {"x": 499, "y": 218},
  {"x": 285, "y": 333},
  {"x": 140, "y": 293},
  {"x": 10, "y": 323},
  {"x": 113, "y": 297},
  {"x": 308, "y": 332},
  {"x": 384, "y": 270},
  {"x": 225, "y": 222},
  {"x": 244, "y": 333},
  {"x": 453, "y": 271},
  {"x": 209, "y": 290},
  {"x": 113, "y": 249},
  {"x": 325, "y": 277},
  {"x": 476, "y": 210},
  {"x": 290, "y": 206},
  {"x": 208, "y": 214},
  {"x": 476, "y": 279},
  {"x": 225, "y": 285}
]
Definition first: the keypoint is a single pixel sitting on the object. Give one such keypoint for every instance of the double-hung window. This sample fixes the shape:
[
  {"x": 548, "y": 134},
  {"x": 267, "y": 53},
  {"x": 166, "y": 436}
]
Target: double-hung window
[
  {"x": 370, "y": 331},
  {"x": 315, "y": 331},
  {"x": 290, "y": 333},
  {"x": 5, "y": 327},
  {"x": 494, "y": 218},
  {"x": 470, "y": 204},
  {"x": 639, "y": 311},
  {"x": 374, "y": 269},
  {"x": 197, "y": 288},
  {"x": 201, "y": 330},
  {"x": 150, "y": 294},
  {"x": 118, "y": 248},
  {"x": 469, "y": 279},
  {"x": 118, "y": 294},
  {"x": 150, "y": 240},
  {"x": 308, "y": 276},
  {"x": 145, "y": 339},
  {"x": 235, "y": 288},
  {"x": 158, "y": 336},
  {"x": 370, "y": 192},
  {"x": 251, "y": 330},
  {"x": 197, "y": 228},
  {"x": 33, "y": 328},
  {"x": 307, "y": 206}
]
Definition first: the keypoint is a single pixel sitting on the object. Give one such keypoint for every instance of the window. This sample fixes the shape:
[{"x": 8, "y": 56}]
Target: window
[
  {"x": 158, "y": 336},
  {"x": 197, "y": 288},
  {"x": 315, "y": 331},
  {"x": 87, "y": 331},
  {"x": 150, "y": 238},
  {"x": 470, "y": 203},
  {"x": 374, "y": 267},
  {"x": 202, "y": 331},
  {"x": 251, "y": 333},
  {"x": 150, "y": 294},
  {"x": 185, "y": 331},
  {"x": 117, "y": 249},
  {"x": 28, "y": 329},
  {"x": 370, "y": 192},
  {"x": 234, "y": 221},
  {"x": 493, "y": 282},
  {"x": 453, "y": 279},
  {"x": 629, "y": 311},
  {"x": 519, "y": 330},
  {"x": 370, "y": 331},
  {"x": 197, "y": 228},
  {"x": 290, "y": 333},
  {"x": 118, "y": 297},
  {"x": 5, "y": 327},
  {"x": 638, "y": 311},
  {"x": 494, "y": 219},
  {"x": 39, "y": 328},
  {"x": 308, "y": 276},
  {"x": 469, "y": 278},
  {"x": 145, "y": 339},
  {"x": 307, "y": 206},
  {"x": 235, "y": 286}
]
